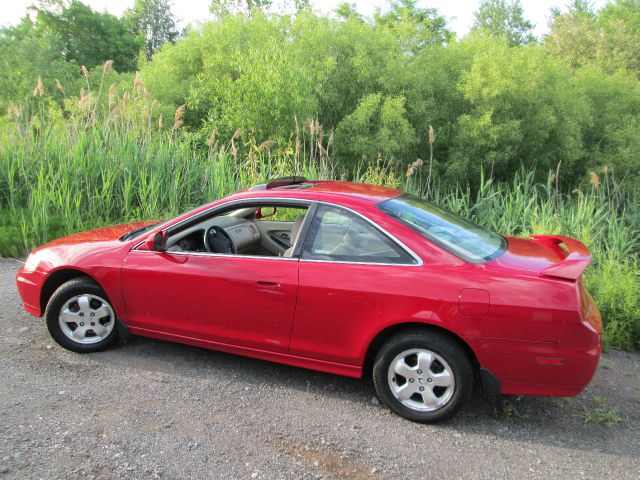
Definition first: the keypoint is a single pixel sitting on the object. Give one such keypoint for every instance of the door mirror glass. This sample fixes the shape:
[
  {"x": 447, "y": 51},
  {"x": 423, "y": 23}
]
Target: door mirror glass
[{"x": 156, "y": 242}]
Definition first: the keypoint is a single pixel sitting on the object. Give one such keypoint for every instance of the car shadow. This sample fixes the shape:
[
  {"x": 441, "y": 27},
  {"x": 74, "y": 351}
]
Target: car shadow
[{"x": 537, "y": 420}]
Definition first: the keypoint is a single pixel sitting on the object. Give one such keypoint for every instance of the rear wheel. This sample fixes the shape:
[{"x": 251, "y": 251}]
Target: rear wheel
[
  {"x": 80, "y": 317},
  {"x": 423, "y": 376}
]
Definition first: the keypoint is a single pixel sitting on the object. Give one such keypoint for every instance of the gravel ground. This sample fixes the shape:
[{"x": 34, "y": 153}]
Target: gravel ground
[{"x": 152, "y": 409}]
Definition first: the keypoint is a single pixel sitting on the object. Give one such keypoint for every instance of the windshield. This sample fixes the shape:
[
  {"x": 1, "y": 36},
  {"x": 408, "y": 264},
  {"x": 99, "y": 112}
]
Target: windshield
[{"x": 452, "y": 232}]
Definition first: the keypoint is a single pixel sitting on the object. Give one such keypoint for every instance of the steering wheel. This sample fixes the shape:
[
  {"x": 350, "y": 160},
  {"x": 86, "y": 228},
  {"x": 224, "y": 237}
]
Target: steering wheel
[{"x": 216, "y": 240}]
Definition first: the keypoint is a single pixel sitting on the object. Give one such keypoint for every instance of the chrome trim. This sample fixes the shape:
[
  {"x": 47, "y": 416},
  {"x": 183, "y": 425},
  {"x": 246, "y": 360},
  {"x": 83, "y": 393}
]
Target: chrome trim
[
  {"x": 212, "y": 254},
  {"x": 292, "y": 200},
  {"x": 362, "y": 263}
]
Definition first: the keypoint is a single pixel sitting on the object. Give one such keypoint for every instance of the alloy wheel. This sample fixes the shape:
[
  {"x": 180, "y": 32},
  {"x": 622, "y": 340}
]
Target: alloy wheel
[
  {"x": 421, "y": 380},
  {"x": 86, "y": 319}
]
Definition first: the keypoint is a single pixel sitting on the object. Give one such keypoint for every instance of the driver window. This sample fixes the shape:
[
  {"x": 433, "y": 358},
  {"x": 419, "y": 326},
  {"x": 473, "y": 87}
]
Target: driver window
[
  {"x": 256, "y": 230},
  {"x": 339, "y": 235}
]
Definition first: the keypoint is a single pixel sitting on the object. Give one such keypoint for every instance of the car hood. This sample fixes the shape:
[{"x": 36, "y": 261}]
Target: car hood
[
  {"x": 104, "y": 234},
  {"x": 548, "y": 255}
]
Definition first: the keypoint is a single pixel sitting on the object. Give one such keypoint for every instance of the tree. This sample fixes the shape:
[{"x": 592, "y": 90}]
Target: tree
[
  {"x": 153, "y": 21},
  {"x": 522, "y": 110},
  {"x": 377, "y": 127},
  {"x": 348, "y": 11},
  {"x": 221, "y": 8},
  {"x": 416, "y": 27},
  {"x": 25, "y": 55},
  {"x": 89, "y": 38},
  {"x": 499, "y": 18},
  {"x": 608, "y": 38}
]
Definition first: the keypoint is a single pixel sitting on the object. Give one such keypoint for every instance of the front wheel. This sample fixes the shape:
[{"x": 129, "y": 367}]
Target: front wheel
[
  {"x": 423, "y": 376},
  {"x": 80, "y": 318}
]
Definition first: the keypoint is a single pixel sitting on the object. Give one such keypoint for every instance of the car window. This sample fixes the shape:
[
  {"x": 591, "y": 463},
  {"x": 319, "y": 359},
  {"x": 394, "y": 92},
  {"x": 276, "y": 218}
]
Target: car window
[
  {"x": 281, "y": 214},
  {"x": 339, "y": 235},
  {"x": 453, "y": 233}
]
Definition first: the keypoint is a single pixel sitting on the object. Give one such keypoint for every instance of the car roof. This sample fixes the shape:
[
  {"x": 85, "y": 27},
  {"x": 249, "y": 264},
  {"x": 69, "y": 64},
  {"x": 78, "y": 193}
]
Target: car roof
[{"x": 326, "y": 189}]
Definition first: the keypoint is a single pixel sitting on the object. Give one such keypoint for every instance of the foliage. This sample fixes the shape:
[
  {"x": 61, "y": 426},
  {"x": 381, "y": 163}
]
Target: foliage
[
  {"x": 415, "y": 28},
  {"x": 494, "y": 105},
  {"x": 25, "y": 55},
  {"x": 521, "y": 114},
  {"x": 502, "y": 19},
  {"x": 153, "y": 22},
  {"x": 601, "y": 413},
  {"x": 88, "y": 37},
  {"x": 234, "y": 74},
  {"x": 608, "y": 38},
  {"x": 378, "y": 127},
  {"x": 497, "y": 101}
]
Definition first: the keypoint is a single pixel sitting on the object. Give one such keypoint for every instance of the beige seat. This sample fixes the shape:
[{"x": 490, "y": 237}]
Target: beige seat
[
  {"x": 352, "y": 244},
  {"x": 293, "y": 237}
]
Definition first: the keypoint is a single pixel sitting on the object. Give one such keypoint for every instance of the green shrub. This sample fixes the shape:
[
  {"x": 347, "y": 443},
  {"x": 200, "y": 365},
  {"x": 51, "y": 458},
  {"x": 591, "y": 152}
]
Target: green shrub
[{"x": 615, "y": 285}]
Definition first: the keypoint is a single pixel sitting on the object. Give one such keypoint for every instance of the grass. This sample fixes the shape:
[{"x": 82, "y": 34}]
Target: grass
[
  {"x": 606, "y": 364},
  {"x": 507, "y": 408},
  {"x": 100, "y": 162},
  {"x": 600, "y": 413}
]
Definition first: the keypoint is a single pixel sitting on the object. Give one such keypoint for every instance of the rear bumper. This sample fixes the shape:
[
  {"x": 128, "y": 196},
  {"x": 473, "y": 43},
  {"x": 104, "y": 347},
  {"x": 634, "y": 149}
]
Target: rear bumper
[
  {"x": 29, "y": 286},
  {"x": 562, "y": 368}
]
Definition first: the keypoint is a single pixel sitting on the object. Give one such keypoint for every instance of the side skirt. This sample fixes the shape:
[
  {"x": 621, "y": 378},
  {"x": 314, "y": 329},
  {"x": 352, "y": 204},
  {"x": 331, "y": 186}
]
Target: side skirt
[{"x": 310, "y": 363}]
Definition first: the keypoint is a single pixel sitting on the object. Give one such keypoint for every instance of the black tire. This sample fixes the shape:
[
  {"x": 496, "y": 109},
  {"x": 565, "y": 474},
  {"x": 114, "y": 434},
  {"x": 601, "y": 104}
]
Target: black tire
[
  {"x": 453, "y": 355},
  {"x": 73, "y": 288}
]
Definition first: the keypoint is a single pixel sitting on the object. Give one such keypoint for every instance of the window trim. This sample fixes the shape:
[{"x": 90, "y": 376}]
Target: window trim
[{"x": 312, "y": 206}]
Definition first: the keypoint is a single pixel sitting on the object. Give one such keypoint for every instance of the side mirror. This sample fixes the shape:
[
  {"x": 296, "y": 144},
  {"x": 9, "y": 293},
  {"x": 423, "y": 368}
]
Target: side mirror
[
  {"x": 156, "y": 242},
  {"x": 266, "y": 212}
]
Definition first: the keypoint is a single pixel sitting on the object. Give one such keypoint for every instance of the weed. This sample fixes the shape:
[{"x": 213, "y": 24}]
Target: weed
[
  {"x": 606, "y": 364},
  {"x": 601, "y": 413},
  {"x": 507, "y": 409}
]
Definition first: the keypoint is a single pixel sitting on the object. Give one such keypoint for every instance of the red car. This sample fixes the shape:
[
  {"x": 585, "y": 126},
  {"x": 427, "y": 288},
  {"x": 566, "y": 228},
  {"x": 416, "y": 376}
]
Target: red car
[{"x": 341, "y": 277}]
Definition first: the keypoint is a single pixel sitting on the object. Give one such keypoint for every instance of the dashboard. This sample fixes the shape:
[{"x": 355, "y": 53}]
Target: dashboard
[{"x": 226, "y": 234}]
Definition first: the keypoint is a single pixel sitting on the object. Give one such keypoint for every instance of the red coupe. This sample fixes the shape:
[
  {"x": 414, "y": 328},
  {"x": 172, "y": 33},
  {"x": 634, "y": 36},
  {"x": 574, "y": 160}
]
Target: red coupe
[{"x": 341, "y": 277}]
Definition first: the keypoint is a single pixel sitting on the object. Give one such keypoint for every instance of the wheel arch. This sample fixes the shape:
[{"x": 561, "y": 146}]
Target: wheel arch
[
  {"x": 58, "y": 278},
  {"x": 382, "y": 336}
]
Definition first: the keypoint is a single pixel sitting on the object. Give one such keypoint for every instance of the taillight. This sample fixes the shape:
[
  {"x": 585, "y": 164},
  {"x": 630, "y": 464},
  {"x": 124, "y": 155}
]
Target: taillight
[{"x": 592, "y": 315}]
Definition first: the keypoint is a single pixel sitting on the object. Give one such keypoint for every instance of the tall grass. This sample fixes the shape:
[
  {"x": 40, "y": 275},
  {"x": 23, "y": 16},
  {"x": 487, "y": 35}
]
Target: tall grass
[{"x": 102, "y": 161}]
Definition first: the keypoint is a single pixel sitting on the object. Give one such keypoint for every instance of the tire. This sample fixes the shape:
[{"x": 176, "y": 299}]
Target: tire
[
  {"x": 431, "y": 394},
  {"x": 80, "y": 318}
]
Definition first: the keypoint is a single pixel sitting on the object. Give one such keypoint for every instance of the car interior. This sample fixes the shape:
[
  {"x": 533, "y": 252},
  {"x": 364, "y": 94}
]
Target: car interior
[
  {"x": 267, "y": 230},
  {"x": 273, "y": 230}
]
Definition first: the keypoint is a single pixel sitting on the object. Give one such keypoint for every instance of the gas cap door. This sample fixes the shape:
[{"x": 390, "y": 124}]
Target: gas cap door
[{"x": 473, "y": 301}]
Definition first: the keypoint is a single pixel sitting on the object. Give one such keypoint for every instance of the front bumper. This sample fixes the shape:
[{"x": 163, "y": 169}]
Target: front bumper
[{"x": 29, "y": 287}]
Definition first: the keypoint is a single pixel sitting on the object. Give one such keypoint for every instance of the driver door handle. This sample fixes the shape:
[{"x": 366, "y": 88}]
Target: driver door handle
[{"x": 269, "y": 281}]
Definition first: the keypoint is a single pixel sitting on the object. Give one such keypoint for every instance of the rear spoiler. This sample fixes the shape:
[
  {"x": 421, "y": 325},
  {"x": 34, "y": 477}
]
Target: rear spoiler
[{"x": 574, "y": 263}]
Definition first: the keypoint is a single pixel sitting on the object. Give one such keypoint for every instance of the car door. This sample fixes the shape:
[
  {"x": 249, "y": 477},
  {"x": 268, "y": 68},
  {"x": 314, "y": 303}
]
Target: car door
[
  {"x": 353, "y": 278},
  {"x": 240, "y": 300}
]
